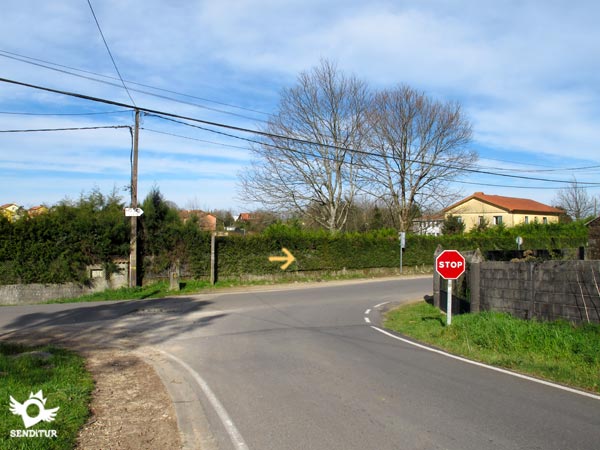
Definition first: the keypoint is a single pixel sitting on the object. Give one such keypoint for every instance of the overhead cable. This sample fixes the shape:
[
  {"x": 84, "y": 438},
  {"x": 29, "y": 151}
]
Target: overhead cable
[
  {"x": 173, "y": 117},
  {"x": 109, "y": 52},
  {"x": 36, "y": 130},
  {"x": 29, "y": 60}
]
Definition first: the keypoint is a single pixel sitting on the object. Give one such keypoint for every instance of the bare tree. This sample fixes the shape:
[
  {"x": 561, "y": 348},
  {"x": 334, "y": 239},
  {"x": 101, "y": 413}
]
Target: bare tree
[
  {"x": 420, "y": 145},
  {"x": 318, "y": 178},
  {"x": 575, "y": 200}
]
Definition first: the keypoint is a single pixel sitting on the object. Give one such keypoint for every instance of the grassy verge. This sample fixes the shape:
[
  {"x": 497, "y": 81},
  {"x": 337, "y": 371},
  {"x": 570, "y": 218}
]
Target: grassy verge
[
  {"x": 161, "y": 289},
  {"x": 65, "y": 383},
  {"x": 556, "y": 351}
]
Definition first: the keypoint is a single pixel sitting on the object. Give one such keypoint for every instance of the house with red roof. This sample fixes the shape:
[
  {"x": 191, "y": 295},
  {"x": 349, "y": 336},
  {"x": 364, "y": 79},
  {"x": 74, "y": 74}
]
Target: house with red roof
[
  {"x": 482, "y": 208},
  {"x": 206, "y": 221}
]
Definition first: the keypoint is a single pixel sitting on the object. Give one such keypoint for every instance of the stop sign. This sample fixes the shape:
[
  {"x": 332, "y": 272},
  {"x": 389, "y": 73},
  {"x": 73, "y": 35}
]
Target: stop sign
[{"x": 450, "y": 264}]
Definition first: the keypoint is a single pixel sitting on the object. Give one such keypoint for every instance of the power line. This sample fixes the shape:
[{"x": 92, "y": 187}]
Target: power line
[
  {"x": 173, "y": 117},
  {"x": 35, "y": 130},
  {"x": 13, "y": 113},
  {"x": 194, "y": 139},
  {"x": 109, "y": 52},
  {"x": 23, "y": 58},
  {"x": 361, "y": 152}
]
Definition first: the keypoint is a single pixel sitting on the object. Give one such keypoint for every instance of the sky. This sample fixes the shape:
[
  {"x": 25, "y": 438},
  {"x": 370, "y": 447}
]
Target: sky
[{"x": 525, "y": 73}]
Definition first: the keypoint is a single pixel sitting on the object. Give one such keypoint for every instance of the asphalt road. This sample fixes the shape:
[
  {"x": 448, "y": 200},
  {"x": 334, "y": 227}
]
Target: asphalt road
[{"x": 303, "y": 369}]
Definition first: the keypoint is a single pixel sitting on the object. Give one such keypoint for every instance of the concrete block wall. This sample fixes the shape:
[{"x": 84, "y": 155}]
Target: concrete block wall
[{"x": 548, "y": 290}]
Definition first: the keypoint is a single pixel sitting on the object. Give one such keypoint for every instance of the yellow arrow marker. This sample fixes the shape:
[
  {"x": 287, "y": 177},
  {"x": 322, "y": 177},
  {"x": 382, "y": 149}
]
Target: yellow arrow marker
[{"x": 288, "y": 258}]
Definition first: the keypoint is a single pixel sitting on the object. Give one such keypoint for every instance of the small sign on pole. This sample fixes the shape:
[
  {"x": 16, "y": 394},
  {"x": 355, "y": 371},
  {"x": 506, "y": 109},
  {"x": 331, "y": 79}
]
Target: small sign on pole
[
  {"x": 450, "y": 264},
  {"x": 133, "y": 212}
]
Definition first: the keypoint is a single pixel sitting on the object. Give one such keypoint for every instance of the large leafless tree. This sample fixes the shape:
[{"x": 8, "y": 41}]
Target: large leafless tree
[
  {"x": 305, "y": 164},
  {"x": 576, "y": 201},
  {"x": 420, "y": 145}
]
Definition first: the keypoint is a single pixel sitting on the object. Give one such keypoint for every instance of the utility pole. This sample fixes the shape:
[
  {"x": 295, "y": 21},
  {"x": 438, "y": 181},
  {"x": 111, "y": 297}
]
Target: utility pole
[{"x": 133, "y": 279}]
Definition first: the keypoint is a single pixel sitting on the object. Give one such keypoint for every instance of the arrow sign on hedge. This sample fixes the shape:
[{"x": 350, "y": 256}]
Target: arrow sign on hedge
[{"x": 287, "y": 259}]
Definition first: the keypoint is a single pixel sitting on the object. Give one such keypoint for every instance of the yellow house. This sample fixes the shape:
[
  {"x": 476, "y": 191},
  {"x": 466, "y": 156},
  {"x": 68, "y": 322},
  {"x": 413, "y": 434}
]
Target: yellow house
[
  {"x": 11, "y": 211},
  {"x": 481, "y": 208}
]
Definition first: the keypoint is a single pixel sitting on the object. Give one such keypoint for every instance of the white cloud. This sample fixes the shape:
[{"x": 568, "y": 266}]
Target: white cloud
[{"x": 526, "y": 72}]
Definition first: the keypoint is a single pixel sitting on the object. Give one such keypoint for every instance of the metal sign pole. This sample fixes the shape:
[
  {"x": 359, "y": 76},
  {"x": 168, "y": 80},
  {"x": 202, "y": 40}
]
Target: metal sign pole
[{"x": 449, "y": 304}]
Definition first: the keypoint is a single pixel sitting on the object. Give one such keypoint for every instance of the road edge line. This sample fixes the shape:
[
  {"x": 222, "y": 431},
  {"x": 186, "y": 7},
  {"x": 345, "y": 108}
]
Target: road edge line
[
  {"x": 486, "y": 366},
  {"x": 234, "y": 434}
]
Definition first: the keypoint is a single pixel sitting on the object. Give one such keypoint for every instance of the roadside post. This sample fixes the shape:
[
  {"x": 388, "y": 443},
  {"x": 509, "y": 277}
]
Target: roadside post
[
  {"x": 402, "y": 239},
  {"x": 450, "y": 264},
  {"x": 519, "y": 242}
]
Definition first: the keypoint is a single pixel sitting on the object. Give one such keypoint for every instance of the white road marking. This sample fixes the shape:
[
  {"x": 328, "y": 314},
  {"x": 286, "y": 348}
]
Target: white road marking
[
  {"x": 367, "y": 320},
  {"x": 367, "y": 312},
  {"x": 380, "y": 305},
  {"x": 234, "y": 434},
  {"x": 496, "y": 369}
]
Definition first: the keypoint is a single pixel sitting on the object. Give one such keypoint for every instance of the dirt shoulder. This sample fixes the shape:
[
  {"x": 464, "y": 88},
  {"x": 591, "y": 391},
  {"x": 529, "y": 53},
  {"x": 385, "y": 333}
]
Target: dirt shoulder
[{"x": 130, "y": 409}]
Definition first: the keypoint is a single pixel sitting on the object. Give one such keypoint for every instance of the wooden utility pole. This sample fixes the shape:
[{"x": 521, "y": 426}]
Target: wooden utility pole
[{"x": 133, "y": 278}]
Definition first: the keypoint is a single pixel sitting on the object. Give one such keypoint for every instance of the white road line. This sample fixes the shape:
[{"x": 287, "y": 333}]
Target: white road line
[
  {"x": 367, "y": 312},
  {"x": 367, "y": 320},
  {"x": 234, "y": 434},
  {"x": 496, "y": 369},
  {"x": 380, "y": 304}
]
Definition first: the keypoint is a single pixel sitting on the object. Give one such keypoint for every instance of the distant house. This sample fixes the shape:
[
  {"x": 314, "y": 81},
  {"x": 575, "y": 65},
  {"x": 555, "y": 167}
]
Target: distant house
[
  {"x": 37, "y": 211},
  {"x": 493, "y": 210},
  {"x": 244, "y": 217},
  {"x": 428, "y": 225},
  {"x": 12, "y": 211},
  {"x": 206, "y": 221}
]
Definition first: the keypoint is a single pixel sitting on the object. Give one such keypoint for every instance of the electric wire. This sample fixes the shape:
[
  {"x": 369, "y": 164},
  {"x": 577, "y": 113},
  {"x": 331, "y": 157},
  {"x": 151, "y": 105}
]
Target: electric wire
[
  {"x": 22, "y": 58},
  {"x": 12, "y": 113},
  {"x": 361, "y": 152},
  {"x": 173, "y": 118},
  {"x": 324, "y": 157},
  {"x": 566, "y": 169},
  {"x": 109, "y": 52},
  {"x": 36, "y": 130}
]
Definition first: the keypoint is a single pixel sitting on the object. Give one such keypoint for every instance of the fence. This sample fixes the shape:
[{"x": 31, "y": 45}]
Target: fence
[{"x": 547, "y": 290}]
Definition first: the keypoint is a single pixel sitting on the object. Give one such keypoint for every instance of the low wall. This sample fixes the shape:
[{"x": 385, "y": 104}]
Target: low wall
[
  {"x": 548, "y": 290},
  {"x": 28, "y": 294}
]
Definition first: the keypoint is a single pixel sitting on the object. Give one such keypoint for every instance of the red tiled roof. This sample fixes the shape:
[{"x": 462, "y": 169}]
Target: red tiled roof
[{"x": 510, "y": 204}]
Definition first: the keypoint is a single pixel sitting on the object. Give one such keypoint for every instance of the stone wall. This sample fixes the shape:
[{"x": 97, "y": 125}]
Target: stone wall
[
  {"x": 548, "y": 290},
  {"x": 593, "y": 250},
  {"x": 27, "y": 294}
]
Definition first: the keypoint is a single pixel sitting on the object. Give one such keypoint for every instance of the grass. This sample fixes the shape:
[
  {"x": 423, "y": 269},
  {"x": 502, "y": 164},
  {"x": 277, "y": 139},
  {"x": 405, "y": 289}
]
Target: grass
[
  {"x": 161, "y": 289},
  {"x": 65, "y": 383},
  {"x": 556, "y": 351}
]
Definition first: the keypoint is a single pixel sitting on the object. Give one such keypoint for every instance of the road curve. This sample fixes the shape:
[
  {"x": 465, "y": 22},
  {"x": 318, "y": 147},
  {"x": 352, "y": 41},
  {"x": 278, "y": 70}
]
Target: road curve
[{"x": 303, "y": 369}]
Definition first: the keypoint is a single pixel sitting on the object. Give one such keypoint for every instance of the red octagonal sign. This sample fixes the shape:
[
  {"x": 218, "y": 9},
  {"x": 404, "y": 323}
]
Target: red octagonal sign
[{"x": 450, "y": 264}]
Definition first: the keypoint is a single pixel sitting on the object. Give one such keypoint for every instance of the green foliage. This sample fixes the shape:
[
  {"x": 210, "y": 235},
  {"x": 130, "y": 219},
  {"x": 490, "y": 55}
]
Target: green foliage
[
  {"x": 57, "y": 246},
  {"x": 453, "y": 225},
  {"x": 62, "y": 377},
  {"x": 557, "y": 351}
]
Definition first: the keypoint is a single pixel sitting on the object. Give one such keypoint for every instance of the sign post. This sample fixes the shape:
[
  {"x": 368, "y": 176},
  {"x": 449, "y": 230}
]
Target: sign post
[
  {"x": 450, "y": 264},
  {"x": 402, "y": 239}
]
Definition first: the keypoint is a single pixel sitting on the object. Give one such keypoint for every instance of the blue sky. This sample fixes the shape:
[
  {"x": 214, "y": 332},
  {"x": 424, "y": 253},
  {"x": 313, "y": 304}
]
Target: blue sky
[{"x": 526, "y": 73}]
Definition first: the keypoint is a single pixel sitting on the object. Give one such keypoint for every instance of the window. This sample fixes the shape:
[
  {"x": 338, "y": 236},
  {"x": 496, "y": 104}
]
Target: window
[
  {"x": 459, "y": 219},
  {"x": 526, "y": 219},
  {"x": 497, "y": 220},
  {"x": 545, "y": 220},
  {"x": 480, "y": 220}
]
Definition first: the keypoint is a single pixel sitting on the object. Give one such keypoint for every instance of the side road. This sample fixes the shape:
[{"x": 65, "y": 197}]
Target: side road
[{"x": 131, "y": 407}]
